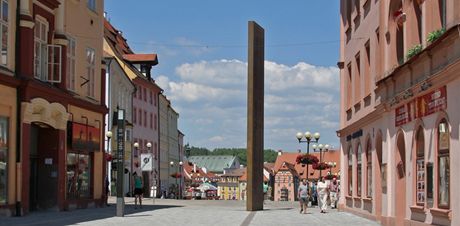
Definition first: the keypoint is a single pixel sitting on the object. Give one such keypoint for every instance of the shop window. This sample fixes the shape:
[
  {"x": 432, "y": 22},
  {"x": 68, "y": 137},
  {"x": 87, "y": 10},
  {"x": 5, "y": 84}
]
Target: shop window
[
  {"x": 358, "y": 170},
  {"x": 3, "y": 159},
  {"x": 443, "y": 166},
  {"x": 420, "y": 168},
  {"x": 79, "y": 167},
  {"x": 369, "y": 168},
  {"x": 350, "y": 171},
  {"x": 4, "y": 19}
]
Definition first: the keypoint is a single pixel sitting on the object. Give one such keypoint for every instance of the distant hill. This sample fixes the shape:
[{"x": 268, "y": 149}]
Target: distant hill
[{"x": 269, "y": 154}]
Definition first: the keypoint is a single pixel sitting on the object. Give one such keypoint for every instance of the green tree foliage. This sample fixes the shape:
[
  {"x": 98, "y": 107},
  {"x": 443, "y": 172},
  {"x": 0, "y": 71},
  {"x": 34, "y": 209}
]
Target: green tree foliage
[{"x": 269, "y": 154}]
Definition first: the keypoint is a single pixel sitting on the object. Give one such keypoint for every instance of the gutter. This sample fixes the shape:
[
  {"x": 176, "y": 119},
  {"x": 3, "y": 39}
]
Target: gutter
[{"x": 18, "y": 109}]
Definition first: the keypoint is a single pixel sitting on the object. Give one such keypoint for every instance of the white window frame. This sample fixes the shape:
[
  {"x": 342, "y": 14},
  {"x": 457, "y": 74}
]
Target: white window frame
[
  {"x": 4, "y": 20},
  {"x": 90, "y": 70},
  {"x": 41, "y": 58},
  {"x": 71, "y": 63}
]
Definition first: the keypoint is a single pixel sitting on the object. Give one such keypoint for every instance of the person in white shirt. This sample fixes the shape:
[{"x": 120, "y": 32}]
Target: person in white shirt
[
  {"x": 323, "y": 192},
  {"x": 334, "y": 190}
]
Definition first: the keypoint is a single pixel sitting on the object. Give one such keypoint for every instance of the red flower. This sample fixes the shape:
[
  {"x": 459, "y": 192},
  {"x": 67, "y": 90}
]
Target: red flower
[
  {"x": 307, "y": 159},
  {"x": 320, "y": 166}
]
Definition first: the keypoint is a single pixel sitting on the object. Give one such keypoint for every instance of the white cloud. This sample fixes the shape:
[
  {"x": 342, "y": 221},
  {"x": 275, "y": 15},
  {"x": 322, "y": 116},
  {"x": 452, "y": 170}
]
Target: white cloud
[{"x": 212, "y": 96}]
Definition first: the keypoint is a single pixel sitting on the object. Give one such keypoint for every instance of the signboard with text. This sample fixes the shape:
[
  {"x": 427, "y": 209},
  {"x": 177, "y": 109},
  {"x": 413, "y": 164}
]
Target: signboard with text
[
  {"x": 404, "y": 113},
  {"x": 432, "y": 102}
]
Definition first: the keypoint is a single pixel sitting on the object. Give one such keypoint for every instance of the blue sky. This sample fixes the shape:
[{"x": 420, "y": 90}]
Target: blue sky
[{"x": 202, "y": 50}]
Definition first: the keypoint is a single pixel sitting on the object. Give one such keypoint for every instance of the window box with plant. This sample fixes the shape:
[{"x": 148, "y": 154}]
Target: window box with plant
[
  {"x": 434, "y": 35},
  {"x": 414, "y": 51}
]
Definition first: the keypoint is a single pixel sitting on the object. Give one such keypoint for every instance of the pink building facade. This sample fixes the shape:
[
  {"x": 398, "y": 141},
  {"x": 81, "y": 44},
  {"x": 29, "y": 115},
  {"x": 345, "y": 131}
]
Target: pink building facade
[{"x": 399, "y": 119}]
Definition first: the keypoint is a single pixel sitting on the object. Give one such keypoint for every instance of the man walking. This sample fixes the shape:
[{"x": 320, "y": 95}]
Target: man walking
[
  {"x": 334, "y": 189},
  {"x": 303, "y": 195}
]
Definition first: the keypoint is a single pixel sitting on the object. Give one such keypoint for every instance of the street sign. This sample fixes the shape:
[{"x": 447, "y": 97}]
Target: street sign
[{"x": 146, "y": 162}]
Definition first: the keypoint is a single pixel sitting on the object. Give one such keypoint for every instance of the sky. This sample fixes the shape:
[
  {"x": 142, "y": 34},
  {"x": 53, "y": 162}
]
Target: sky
[{"x": 202, "y": 53}]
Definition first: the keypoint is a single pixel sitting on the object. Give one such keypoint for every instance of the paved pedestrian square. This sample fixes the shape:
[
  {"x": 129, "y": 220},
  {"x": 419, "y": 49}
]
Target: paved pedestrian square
[{"x": 191, "y": 213}]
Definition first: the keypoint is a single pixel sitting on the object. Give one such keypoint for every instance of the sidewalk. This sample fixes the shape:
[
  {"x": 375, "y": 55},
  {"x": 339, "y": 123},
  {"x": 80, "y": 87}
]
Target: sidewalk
[{"x": 190, "y": 213}]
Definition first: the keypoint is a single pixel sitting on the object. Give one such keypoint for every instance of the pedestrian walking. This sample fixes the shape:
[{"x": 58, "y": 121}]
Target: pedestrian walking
[
  {"x": 303, "y": 196},
  {"x": 323, "y": 192},
  {"x": 138, "y": 191},
  {"x": 334, "y": 190}
]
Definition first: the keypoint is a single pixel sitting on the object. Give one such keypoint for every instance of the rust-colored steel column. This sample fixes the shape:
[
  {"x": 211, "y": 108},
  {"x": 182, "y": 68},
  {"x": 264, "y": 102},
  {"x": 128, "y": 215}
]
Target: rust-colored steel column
[{"x": 255, "y": 130}]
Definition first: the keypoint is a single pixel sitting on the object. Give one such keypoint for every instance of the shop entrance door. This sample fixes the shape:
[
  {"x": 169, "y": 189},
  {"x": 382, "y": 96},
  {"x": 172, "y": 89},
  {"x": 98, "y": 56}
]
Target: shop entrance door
[{"x": 43, "y": 190}]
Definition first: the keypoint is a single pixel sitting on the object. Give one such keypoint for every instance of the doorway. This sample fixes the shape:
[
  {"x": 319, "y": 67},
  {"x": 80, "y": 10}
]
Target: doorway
[
  {"x": 400, "y": 169},
  {"x": 43, "y": 182}
]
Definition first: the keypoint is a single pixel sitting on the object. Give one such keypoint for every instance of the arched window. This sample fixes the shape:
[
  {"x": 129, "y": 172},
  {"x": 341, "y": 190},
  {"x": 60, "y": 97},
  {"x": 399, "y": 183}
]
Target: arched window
[
  {"x": 359, "y": 153},
  {"x": 369, "y": 168},
  {"x": 418, "y": 18},
  {"x": 350, "y": 171},
  {"x": 420, "y": 168},
  {"x": 443, "y": 165},
  {"x": 442, "y": 12}
]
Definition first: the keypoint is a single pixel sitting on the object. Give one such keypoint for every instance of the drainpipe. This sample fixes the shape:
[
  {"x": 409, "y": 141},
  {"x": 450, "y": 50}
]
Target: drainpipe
[{"x": 18, "y": 109}]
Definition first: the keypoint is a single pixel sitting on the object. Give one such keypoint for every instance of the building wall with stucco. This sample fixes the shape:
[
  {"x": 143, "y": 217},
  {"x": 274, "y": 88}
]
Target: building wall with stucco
[{"x": 399, "y": 121}]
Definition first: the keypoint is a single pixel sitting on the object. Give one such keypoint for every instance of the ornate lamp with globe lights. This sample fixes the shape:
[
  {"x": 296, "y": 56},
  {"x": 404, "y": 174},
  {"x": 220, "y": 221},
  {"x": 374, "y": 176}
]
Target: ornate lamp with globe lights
[{"x": 309, "y": 138}]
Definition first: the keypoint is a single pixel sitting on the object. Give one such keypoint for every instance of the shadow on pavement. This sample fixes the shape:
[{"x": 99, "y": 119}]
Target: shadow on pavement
[{"x": 79, "y": 215}]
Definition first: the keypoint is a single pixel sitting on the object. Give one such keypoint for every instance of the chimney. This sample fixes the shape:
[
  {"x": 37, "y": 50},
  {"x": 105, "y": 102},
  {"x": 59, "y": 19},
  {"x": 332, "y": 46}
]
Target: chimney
[
  {"x": 280, "y": 152},
  {"x": 194, "y": 167}
]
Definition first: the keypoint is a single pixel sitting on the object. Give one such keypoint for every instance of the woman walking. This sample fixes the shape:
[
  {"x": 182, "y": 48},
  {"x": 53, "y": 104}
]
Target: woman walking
[
  {"x": 137, "y": 190},
  {"x": 323, "y": 192}
]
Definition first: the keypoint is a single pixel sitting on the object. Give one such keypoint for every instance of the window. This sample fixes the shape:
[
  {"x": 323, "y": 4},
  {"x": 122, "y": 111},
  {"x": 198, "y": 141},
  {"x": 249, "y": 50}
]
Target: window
[
  {"x": 40, "y": 49},
  {"x": 155, "y": 122},
  {"x": 367, "y": 70},
  {"x": 155, "y": 100},
  {"x": 443, "y": 166},
  {"x": 79, "y": 175},
  {"x": 4, "y": 14},
  {"x": 151, "y": 98},
  {"x": 3, "y": 159},
  {"x": 145, "y": 94},
  {"x": 358, "y": 170},
  {"x": 151, "y": 121},
  {"x": 92, "y": 5},
  {"x": 145, "y": 119},
  {"x": 350, "y": 171},
  {"x": 71, "y": 64},
  {"x": 369, "y": 168},
  {"x": 349, "y": 86},
  {"x": 418, "y": 18},
  {"x": 134, "y": 115},
  {"x": 90, "y": 68},
  {"x": 420, "y": 168},
  {"x": 442, "y": 12},
  {"x": 140, "y": 117},
  {"x": 357, "y": 85},
  {"x": 135, "y": 93}
]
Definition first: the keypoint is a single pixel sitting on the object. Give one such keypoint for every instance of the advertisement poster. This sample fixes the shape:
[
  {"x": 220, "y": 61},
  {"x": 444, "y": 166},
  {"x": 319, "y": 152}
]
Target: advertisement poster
[{"x": 432, "y": 102}]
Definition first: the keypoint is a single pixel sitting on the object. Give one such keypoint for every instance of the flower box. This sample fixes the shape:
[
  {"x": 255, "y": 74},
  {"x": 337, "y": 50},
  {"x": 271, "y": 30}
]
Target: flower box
[
  {"x": 306, "y": 159},
  {"x": 320, "y": 166}
]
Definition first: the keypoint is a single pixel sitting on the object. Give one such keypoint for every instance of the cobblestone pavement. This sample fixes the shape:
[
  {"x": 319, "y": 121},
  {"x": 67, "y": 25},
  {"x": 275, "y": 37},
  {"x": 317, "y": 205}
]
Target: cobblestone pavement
[{"x": 191, "y": 212}]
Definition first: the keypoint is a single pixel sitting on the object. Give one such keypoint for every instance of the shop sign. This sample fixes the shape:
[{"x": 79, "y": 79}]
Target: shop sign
[
  {"x": 85, "y": 137},
  {"x": 432, "y": 102},
  {"x": 404, "y": 114}
]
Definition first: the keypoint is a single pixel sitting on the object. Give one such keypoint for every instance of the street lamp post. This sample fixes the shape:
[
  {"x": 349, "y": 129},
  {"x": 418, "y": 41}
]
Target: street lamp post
[
  {"x": 180, "y": 179},
  {"x": 178, "y": 174},
  {"x": 136, "y": 148},
  {"x": 320, "y": 148},
  {"x": 308, "y": 139}
]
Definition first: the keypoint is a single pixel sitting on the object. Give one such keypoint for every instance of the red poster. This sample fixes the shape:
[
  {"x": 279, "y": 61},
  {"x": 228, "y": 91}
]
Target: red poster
[
  {"x": 85, "y": 137},
  {"x": 404, "y": 114},
  {"x": 432, "y": 102}
]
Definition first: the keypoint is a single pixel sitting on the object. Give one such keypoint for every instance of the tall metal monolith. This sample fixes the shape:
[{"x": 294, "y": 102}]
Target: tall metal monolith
[{"x": 255, "y": 130}]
